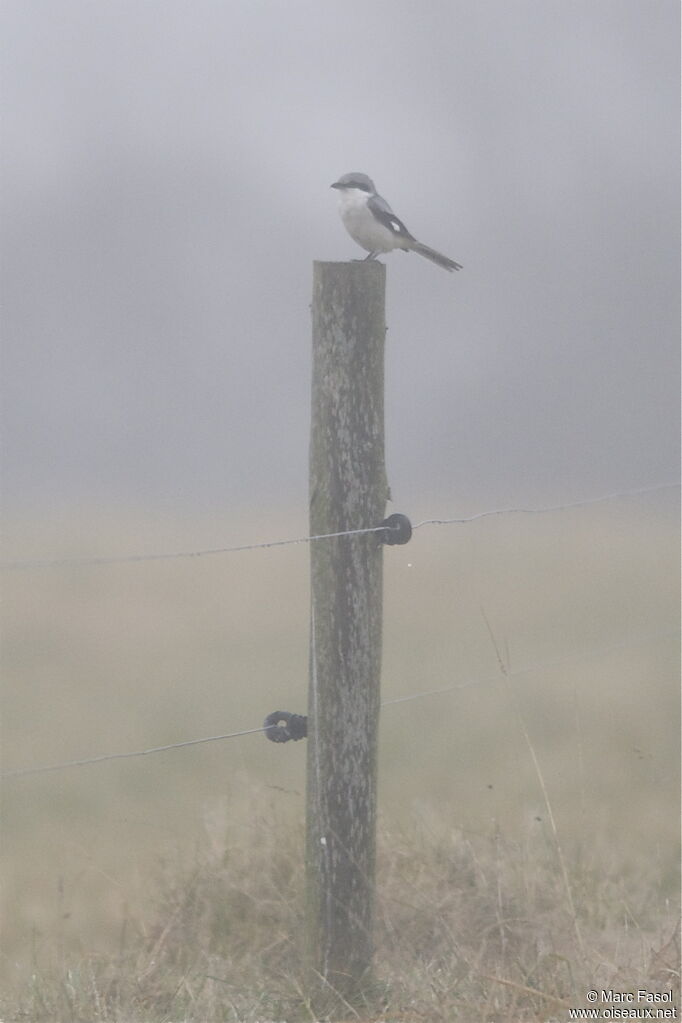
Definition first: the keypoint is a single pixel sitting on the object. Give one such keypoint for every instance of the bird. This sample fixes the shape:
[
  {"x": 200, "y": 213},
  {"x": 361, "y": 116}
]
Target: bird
[{"x": 371, "y": 222}]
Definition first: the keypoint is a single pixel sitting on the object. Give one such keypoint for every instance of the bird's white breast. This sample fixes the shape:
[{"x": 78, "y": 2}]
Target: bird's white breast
[{"x": 361, "y": 224}]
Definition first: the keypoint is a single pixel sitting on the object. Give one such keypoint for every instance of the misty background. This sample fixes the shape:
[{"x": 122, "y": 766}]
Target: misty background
[
  {"x": 166, "y": 188},
  {"x": 166, "y": 175}
]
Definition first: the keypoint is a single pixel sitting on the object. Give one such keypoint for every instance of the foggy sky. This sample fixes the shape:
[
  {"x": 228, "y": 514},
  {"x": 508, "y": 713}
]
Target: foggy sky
[{"x": 166, "y": 188}]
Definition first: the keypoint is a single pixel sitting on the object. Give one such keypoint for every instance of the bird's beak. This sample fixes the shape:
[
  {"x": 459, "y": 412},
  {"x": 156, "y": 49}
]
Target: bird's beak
[{"x": 337, "y": 184}]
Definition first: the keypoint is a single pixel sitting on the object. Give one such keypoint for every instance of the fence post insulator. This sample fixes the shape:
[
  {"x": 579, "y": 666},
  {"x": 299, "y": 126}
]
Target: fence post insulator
[
  {"x": 398, "y": 529},
  {"x": 281, "y": 726}
]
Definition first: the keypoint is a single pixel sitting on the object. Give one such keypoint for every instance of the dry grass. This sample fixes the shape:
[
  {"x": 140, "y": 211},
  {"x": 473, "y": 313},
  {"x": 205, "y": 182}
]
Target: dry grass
[
  {"x": 468, "y": 929},
  {"x": 529, "y": 832}
]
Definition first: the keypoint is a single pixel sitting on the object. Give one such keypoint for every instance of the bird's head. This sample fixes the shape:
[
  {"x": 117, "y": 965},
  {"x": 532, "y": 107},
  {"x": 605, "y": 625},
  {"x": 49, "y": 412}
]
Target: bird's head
[{"x": 355, "y": 180}]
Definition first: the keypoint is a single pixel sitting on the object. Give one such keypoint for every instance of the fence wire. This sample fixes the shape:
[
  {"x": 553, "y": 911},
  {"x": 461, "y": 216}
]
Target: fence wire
[
  {"x": 497, "y": 678},
  {"x": 127, "y": 559},
  {"x": 8, "y": 566}
]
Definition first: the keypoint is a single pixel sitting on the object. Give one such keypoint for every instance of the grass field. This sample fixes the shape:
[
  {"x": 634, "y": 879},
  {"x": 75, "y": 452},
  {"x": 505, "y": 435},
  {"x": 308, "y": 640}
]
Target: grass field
[{"x": 529, "y": 832}]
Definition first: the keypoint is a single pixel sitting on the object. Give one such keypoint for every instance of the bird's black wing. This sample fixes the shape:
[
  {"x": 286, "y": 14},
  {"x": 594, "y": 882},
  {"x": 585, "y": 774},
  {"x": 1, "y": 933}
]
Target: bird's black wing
[{"x": 385, "y": 215}]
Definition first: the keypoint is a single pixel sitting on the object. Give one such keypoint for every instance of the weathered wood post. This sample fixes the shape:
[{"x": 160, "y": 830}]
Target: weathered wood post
[{"x": 348, "y": 490}]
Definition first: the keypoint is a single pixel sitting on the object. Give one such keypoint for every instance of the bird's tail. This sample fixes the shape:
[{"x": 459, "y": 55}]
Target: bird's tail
[{"x": 435, "y": 257}]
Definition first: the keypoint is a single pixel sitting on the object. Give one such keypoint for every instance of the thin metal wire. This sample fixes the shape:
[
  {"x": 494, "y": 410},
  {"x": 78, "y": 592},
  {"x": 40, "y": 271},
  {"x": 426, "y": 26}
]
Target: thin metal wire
[
  {"x": 8, "y": 566},
  {"x": 470, "y": 683},
  {"x": 124, "y": 559},
  {"x": 549, "y": 508},
  {"x": 123, "y": 756},
  {"x": 528, "y": 669}
]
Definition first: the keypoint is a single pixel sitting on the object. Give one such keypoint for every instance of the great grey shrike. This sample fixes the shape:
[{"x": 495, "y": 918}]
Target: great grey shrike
[{"x": 371, "y": 222}]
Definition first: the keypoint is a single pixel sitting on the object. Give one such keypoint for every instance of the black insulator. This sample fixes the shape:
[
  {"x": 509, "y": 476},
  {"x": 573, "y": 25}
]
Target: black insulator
[
  {"x": 398, "y": 529},
  {"x": 281, "y": 726}
]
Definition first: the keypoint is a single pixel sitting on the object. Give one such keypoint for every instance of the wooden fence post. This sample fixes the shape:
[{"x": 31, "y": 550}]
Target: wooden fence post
[{"x": 348, "y": 490}]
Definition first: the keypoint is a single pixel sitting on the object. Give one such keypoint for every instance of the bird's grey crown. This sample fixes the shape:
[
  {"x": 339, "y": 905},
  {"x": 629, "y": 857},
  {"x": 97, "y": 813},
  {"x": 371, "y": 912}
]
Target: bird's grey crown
[{"x": 355, "y": 180}]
